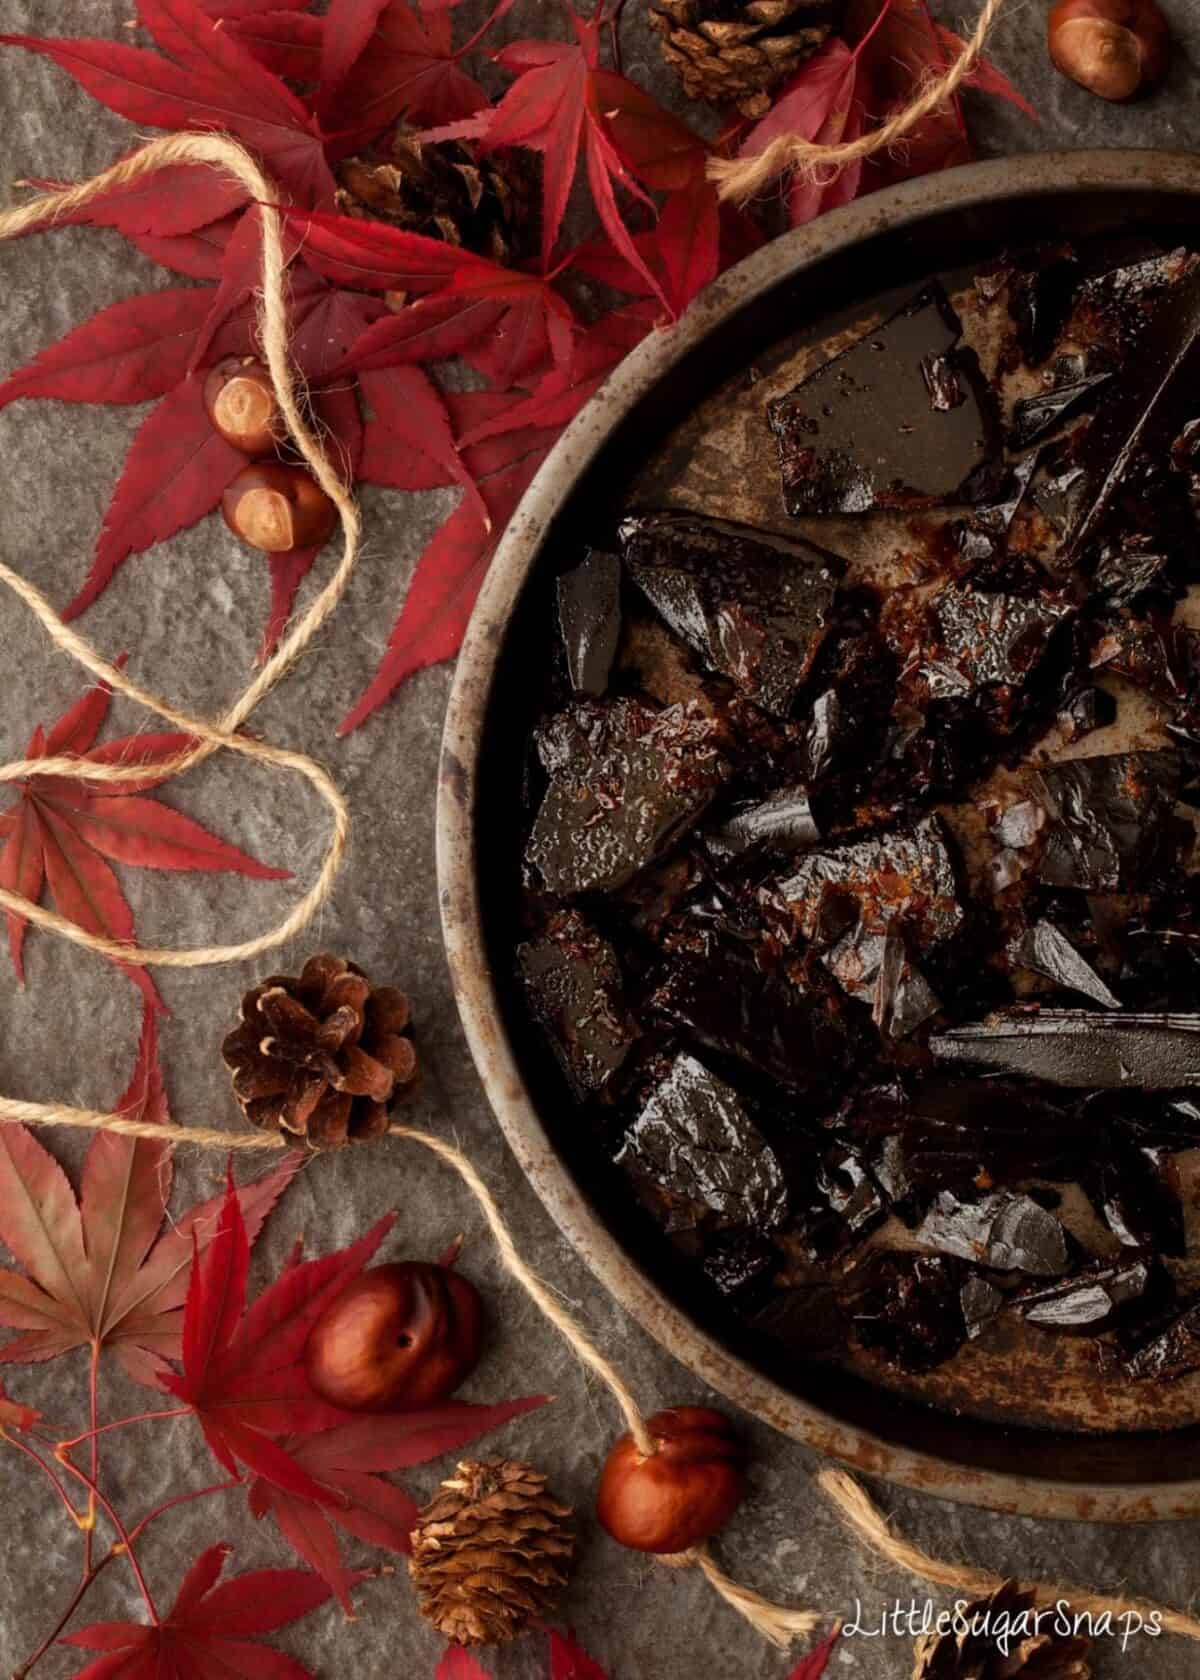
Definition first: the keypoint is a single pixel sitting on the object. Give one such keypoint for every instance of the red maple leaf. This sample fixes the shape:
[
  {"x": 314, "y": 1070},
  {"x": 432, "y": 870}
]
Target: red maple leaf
[
  {"x": 100, "y": 1272},
  {"x": 62, "y": 831},
  {"x": 386, "y": 59},
  {"x": 210, "y": 80},
  {"x": 556, "y": 107},
  {"x": 518, "y": 316},
  {"x": 210, "y": 1632},
  {"x": 816, "y": 1662},
  {"x": 243, "y": 1373},
  {"x": 344, "y": 1461},
  {"x": 569, "y": 1660}
]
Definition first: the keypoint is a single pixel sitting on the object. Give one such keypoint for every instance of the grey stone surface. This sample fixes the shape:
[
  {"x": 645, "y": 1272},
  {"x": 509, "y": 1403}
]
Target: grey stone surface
[{"x": 189, "y": 613}]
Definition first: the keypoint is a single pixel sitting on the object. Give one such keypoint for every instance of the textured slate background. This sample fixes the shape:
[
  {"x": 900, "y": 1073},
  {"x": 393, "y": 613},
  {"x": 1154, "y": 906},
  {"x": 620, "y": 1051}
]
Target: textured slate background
[{"x": 189, "y": 613}]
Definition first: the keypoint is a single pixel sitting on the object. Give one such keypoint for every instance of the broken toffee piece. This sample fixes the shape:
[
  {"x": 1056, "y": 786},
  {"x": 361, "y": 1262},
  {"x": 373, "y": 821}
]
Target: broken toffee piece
[
  {"x": 695, "y": 1140},
  {"x": 1005, "y": 1232},
  {"x": 589, "y": 620},
  {"x": 1109, "y": 819},
  {"x": 1080, "y": 1049},
  {"x": 1037, "y": 417},
  {"x": 900, "y": 419},
  {"x": 1048, "y": 951},
  {"x": 754, "y": 606},
  {"x": 625, "y": 783},
  {"x": 907, "y": 874},
  {"x": 1088, "y": 1302},
  {"x": 985, "y": 646},
  {"x": 783, "y": 822},
  {"x": 1167, "y": 1349},
  {"x": 575, "y": 990}
]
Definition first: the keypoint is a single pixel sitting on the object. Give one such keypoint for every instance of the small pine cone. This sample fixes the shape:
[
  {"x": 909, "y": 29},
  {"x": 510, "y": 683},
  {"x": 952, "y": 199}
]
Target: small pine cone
[
  {"x": 322, "y": 1056},
  {"x": 736, "y": 51},
  {"x": 491, "y": 1552},
  {"x": 975, "y": 1656},
  {"x": 438, "y": 188}
]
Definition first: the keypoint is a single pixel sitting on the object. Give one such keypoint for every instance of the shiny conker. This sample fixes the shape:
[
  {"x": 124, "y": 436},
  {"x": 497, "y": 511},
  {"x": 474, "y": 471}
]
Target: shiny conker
[
  {"x": 278, "y": 508},
  {"x": 241, "y": 404},
  {"x": 672, "y": 1499},
  {"x": 398, "y": 1338},
  {"x": 1118, "y": 49}
]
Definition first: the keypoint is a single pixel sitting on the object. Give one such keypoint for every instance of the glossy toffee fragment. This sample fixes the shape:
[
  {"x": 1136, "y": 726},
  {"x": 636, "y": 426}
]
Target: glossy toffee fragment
[
  {"x": 736, "y": 1260},
  {"x": 1136, "y": 1191},
  {"x": 1080, "y": 1049},
  {"x": 906, "y": 875},
  {"x": 1048, "y": 951},
  {"x": 625, "y": 783},
  {"x": 1037, "y": 417},
  {"x": 695, "y": 1140},
  {"x": 783, "y": 822},
  {"x": 901, "y": 419},
  {"x": 754, "y": 606},
  {"x": 980, "y": 1301},
  {"x": 760, "y": 1011},
  {"x": 984, "y": 646},
  {"x": 1168, "y": 1349},
  {"x": 575, "y": 991},
  {"x": 589, "y": 620},
  {"x": 906, "y": 1306},
  {"x": 1090, "y": 1301},
  {"x": 1109, "y": 820},
  {"x": 1005, "y": 1231}
]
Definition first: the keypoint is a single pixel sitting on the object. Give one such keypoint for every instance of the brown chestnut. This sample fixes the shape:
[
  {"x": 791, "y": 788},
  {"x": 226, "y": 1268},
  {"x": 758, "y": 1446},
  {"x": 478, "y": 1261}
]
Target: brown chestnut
[
  {"x": 1118, "y": 49},
  {"x": 680, "y": 1494},
  {"x": 241, "y": 403},
  {"x": 398, "y": 1338},
  {"x": 278, "y": 508}
]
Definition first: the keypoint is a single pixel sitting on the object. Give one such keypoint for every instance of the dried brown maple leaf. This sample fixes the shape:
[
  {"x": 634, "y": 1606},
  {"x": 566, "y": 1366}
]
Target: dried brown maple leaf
[{"x": 97, "y": 1272}]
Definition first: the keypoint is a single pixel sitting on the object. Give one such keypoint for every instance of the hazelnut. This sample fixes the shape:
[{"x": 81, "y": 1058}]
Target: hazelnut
[
  {"x": 241, "y": 404},
  {"x": 1118, "y": 49},
  {"x": 398, "y": 1338},
  {"x": 685, "y": 1491},
  {"x": 278, "y": 508}
]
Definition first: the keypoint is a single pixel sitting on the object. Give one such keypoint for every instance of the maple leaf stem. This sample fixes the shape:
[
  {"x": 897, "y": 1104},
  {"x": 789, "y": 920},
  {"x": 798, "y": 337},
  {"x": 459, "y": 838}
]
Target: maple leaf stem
[
  {"x": 77, "y": 1597},
  {"x": 36, "y": 1458},
  {"x": 183, "y": 1499},
  {"x": 94, "y": 1468},
  {"x": 120, "y": 1423},
  {"x": 123, "y": 1540}
]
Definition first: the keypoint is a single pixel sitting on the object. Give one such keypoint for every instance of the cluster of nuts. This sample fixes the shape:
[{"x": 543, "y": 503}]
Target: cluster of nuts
[
  {"x": 271, "y": 504},
  {"x": 404, "y": 1336}
]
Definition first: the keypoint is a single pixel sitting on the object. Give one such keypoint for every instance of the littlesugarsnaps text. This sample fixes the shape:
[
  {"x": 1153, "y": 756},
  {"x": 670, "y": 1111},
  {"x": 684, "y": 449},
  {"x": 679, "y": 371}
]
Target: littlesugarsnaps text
[{"x": 919, "y": 1617}]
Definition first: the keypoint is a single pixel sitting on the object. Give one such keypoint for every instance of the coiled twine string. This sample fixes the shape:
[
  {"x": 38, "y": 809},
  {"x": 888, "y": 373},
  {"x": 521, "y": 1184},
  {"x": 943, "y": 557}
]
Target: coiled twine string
[
  {"x": 776, "y": 1622},
  {"x": 741, "y": 179}
]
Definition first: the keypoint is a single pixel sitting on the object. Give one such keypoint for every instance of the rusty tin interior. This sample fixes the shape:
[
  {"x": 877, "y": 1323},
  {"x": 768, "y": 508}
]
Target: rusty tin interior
[{"x": 1021, "y": 1425}]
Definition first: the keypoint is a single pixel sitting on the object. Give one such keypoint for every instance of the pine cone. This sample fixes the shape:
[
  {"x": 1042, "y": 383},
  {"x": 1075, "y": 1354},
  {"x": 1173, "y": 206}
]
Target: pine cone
[
  {"x": 491, "y": 1552},
  {"x": 322, "y": 1056},
  {"x": 736, "y": 51},
  {"x": 1032, "y": 1656},
  {"x": 486, "y": 205}
]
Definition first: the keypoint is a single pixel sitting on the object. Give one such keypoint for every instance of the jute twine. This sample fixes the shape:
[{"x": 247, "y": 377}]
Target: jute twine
[
  {"x": 779, "y": 1623},
  {"x": 742, "y": 178}
]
